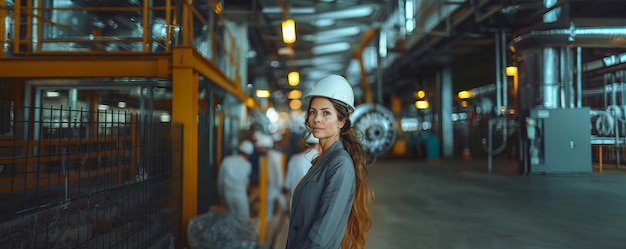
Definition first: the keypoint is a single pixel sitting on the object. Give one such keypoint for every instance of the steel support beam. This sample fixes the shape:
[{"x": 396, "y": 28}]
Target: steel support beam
[{"x": 85, "y": 67}]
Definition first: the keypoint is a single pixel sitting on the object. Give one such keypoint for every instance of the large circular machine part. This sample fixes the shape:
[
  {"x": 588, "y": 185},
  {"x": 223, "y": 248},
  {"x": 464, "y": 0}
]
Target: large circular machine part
[{"x": 377, "y": 126}]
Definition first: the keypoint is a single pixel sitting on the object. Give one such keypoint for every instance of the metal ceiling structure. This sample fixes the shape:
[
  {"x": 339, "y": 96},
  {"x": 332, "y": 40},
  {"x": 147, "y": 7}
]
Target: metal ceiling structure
[
  {"x": 328, "y": 34},
  {"x": 455, "y": 33}
]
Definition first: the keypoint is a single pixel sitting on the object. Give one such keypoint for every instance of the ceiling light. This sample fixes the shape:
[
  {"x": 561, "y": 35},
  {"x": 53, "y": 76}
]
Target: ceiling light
[
  {"x": 420, "y": 94},
  {"x": 121, "y": 104},
  {"x": 360, "y": 11},
  {"x": 334, "y": 33},
  {"x": 421, "y": 104},
  {"x": 263, "y": 93},
  {"x": 295, "y": 104},
  {"x": 511, "y": 71},
  {"x": 52, "y": 94},
  {"x": 464, "y": 94},
  {"x": 324, "y": 22},
  {"x": 293, "y": 78},
  {"x": 294, "y": 94},
  {"x": 165, "y": 117},
  {"x": 289, "y": 31},
  {"x": 331, "y": 48},
  {"x": 285, "y": 51},
  {"x": 292, "y": 10}
]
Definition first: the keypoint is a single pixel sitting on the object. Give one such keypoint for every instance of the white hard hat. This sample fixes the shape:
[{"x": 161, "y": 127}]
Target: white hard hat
[
  {"x": 334, "y": 87},
  {"x": 312, "y": 140},
  {"x": 265, "y": 141},
  {"x": 246, "y": 147}
]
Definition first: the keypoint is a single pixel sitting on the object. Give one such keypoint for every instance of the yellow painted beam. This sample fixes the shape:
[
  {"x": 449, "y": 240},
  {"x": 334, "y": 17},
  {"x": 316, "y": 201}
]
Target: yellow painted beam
[
  {"x": 71, "y": 67},
  {"x": 262, "y": 198},
  {"x": 185, "y": 111},
  {"x": 358, "y": 54},
  {"x": 185, "y": 56}
]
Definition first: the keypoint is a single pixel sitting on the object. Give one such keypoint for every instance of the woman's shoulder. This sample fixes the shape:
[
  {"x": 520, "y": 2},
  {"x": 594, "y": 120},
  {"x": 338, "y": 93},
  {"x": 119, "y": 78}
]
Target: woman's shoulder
[{"x": 339, "y": 157}]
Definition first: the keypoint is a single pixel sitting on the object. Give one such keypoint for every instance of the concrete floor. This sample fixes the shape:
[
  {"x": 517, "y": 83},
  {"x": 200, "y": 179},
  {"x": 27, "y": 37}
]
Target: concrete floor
[{"x": 455, "y": 204}]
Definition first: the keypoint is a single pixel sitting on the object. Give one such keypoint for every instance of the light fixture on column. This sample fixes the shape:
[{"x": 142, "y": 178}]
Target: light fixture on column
[
  {"x": 293, "y": 78},
  {"x": 289, "y": 31},
  {"x": 511, "y": 71}
]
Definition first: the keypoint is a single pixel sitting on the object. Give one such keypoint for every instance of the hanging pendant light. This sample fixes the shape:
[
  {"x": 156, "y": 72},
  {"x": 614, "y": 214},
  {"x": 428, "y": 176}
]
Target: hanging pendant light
[
  {"x": 293, "y": 78},
  {"x": 289, "y": 31}
]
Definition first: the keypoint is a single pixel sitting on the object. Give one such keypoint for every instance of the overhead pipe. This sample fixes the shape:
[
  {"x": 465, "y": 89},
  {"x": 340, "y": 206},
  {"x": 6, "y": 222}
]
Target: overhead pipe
[
  {"x": 503, "y": 76},
  {"x": 498, "y": 70},
  {"x": 501, "y": 97},
  {"x": 567, "y": 85},
  {"x": 579, "y": 77},
  {"x": 610, "y": 37}
]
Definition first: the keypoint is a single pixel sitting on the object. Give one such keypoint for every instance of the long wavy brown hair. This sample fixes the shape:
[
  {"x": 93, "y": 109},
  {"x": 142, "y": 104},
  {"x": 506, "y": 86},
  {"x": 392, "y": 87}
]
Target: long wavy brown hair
[{"x": 359, "y": 221}]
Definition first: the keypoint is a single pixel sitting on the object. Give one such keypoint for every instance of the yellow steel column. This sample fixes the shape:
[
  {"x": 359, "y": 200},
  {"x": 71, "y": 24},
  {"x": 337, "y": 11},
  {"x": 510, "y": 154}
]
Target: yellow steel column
[
  {"x": 600, "y": 158},
  {"x": 146, "y": 30},
  {"x": 185, "y": 111},
  {"x": 186, "y": 22},
  {"x": 358, "y": 54},
  {"x": 262, "y": 198},
  {"x": 220, "y": 135},
  {"x": 400, "y": 146}
]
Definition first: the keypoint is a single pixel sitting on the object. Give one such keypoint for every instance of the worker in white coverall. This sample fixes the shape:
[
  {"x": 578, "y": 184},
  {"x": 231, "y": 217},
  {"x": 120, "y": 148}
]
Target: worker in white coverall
[
  {"x": 264, "y": 145},
  {"x": 233, "y": 178},
  {"x": 300, "y": 163}
]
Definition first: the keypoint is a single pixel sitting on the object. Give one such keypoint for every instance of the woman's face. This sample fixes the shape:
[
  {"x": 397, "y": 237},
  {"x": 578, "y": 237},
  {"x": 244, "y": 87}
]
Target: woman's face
[{"x": 322, "y": 118}]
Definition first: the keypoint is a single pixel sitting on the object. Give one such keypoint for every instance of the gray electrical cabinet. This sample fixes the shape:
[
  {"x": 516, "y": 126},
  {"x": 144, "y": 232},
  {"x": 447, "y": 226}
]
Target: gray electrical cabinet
[{"x": 562, "y": 141}]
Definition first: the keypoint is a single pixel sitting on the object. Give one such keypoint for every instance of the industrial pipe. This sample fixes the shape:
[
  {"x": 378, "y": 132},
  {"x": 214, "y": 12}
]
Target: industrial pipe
[{"x": 580, "y": 36}]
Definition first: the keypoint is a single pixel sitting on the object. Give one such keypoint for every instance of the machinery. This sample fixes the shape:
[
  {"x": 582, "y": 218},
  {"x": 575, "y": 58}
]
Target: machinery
[
  {"x": 378, "y": 127},
  {"x": 558, "y": 142}
]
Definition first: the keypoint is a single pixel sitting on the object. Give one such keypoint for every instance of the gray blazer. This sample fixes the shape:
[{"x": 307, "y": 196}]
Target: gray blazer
[{"x": 322, "y": 202}]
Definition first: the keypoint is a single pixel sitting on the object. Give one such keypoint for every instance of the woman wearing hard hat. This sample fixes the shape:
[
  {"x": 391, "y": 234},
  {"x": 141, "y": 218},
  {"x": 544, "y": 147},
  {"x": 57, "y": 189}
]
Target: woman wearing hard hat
[{"x": 329, "y": 204}]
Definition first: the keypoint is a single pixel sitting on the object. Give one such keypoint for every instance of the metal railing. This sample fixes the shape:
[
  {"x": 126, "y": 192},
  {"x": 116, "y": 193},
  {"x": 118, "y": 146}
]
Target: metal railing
[
  {"x": 90, "y": 182},
  {"x": 35, "y": 27}
]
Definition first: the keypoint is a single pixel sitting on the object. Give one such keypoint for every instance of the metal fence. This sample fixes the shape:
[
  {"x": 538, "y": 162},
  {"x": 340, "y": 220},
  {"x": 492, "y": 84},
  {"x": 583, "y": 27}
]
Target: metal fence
[{"x": 88, "y": 179}]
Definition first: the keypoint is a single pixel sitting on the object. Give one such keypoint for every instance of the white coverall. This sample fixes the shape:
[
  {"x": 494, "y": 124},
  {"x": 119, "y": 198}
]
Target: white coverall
[
  {"x": 232, "y": 184},
  {"x": 274, "y": 181},
  {"x": 298, "y": 165}
]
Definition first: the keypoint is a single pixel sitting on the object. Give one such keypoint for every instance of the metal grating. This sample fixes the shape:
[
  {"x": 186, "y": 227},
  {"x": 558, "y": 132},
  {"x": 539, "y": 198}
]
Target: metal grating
[{"x": 83, "y": 179}]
